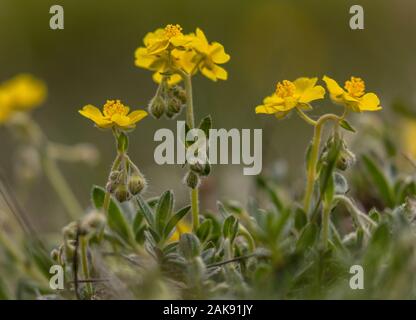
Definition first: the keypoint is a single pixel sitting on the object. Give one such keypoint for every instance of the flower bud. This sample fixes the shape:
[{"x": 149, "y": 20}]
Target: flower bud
[
  {"x": 170, "y": 115},
  {"x": 121, "y": 193},
  {"x": 114, "y": 175},
  {"x": 93, "y": 222},
  {"x": 111, "y": 186},
  {"x": 136, "y": 184},
  {"x": 55, "y": 255},
  {"x": 179, "y": 93},
  {"x": 345, "y": 158},
  {"x": 192, "y": 180},
  {"x": 174, "y": 105},
  {"x": 157, "y": 107},
  {"x": 202, "y": 169},
  {"x": 70, "y": 231},
  {"x": 69, "y": 247}
]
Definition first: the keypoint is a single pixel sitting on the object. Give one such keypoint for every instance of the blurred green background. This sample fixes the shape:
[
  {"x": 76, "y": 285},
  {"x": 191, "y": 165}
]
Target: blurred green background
[{"x": 92, "y": 60}]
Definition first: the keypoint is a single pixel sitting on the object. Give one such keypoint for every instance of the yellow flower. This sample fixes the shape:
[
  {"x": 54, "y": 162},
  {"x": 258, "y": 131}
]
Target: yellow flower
[
  {"x": 210, "y": 55},
  {"x": 168, "y": 38},
  {"x": 21, "y": 93},
  {"x": 115, "y": 114},
  {"x": 166, "y": 51},
  {"x": 156, "y": 55},
  {"x": 181, "y": 227},
  {"x": 353, "y": 95},
  {"x": 290, "y": 95},
  {"x": 5, "y": 106}
]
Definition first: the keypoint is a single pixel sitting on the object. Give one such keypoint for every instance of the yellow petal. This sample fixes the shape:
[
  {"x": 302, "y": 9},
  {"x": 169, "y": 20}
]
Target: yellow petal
[
  {"x": 94, "y": 114},
  {"x": 333, "y": 87},
  {"x": 369, "y": 102},
  {"x": 137, "y": 115},
  {"x": 218, "y": 54},
  {"x": 312, "y": 93},
  {"x": 173, "y": 79},
  {"x": 273, "y": 100},
  {"x": 281, "y": 114},
  {"x": 214, "y": 72},
  {"x": 122, "y": 121},
  {"x": 265, "y": 109},
  {"x": 303, "y": 84},
  {"x": 143, "y": 59},
  {"x": 208, "y": 73}
]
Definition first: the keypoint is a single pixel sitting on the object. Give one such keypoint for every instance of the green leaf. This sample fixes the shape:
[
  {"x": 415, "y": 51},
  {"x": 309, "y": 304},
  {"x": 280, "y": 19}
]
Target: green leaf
[
  {"x": 346, "y": 125},
  {"x": 163, "y": 211},
  {"x": 204, "y": 231},
  {"x": 326, "y": 179},
  {"x": 300, "y": 219},
  {"x": 145, "y": 210},
  {"x": 341, "y": 184},
  {"x": 205, "y": 125},
  {"x": 97, "y": 196},
  {"x": 308, "y": 237},
  {"x": 174, "y": 220},
  {"x": 118, "y": 223},
  {"x": 230, "y": 228},
  {"x": 380, "y": 181},
  {"x": 189, "y": 245},
  {"x": 271, "y": 191}
]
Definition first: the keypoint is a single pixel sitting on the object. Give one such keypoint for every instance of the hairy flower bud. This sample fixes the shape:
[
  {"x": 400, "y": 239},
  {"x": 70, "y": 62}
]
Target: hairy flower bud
[
  {"x": 202, "y": 169},
  {"x": 191, "y": 180},
  {"x": 111, "y": 186},
  {"x": 121, "y": 193},
  {"x": 55, "y": 255},
  {"x": 157, "y": 107},
  {"x": 346, "y": 158},
  {"x": 114, "y": 175},
  {"x": 93, "y": 222},
  {"x": 179, "y": 93},
  {"x": 70, "y": 231},
  {"x": 174, "y": 105},
  {"x": 137, "y": 183}
]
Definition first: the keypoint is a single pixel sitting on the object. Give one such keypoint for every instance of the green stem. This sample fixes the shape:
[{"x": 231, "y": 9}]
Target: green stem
[
  {"x": 313, "y": 158},
  {"x": 61, "y": 187},
  {"x": 190, "y": 120},
  {"x": 84, "y": 262},
  {"x": 40, "y": 141},
  {"x": 195, "y": 211},
  {"x": 325, "y": 224}
]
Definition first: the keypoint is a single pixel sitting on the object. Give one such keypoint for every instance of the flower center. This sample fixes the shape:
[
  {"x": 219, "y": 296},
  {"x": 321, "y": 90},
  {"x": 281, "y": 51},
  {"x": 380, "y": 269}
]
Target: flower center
[
  {"x": 355, "y": 87},
  {"x": 285, "y": 89},
  {"x": 173, "y": 30},
  {"x": 113, "y": 107}
]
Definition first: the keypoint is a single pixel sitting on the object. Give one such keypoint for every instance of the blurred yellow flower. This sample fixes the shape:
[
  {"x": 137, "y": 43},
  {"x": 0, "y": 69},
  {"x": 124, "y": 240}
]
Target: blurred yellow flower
[
  {"x": 21, "y": 93},
  {"x": 210, "y": 55},
  {"x": 353, "y": 95},
  {"x": 290, "y": 95},
  {"x": 181, "y": 227},
  {"x": 115, "y": 114}
]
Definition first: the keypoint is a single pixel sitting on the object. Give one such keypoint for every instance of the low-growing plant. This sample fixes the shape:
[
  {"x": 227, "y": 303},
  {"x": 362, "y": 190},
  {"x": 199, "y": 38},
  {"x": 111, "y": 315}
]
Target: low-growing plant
[{"x": 357, "y": 208}]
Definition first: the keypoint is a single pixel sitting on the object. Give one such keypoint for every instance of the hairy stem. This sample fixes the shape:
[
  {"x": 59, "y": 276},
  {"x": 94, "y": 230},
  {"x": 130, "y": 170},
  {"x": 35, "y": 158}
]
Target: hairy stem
[
  {"x": 313, "y": 158},
  {"x": 84, "y": 262},
  {"x": 190, "y": 120}
]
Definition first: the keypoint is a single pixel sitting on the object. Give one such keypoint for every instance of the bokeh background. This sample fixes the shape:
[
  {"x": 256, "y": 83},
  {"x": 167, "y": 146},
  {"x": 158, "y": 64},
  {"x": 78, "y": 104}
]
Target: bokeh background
[{"x": 92, "y": 60}]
